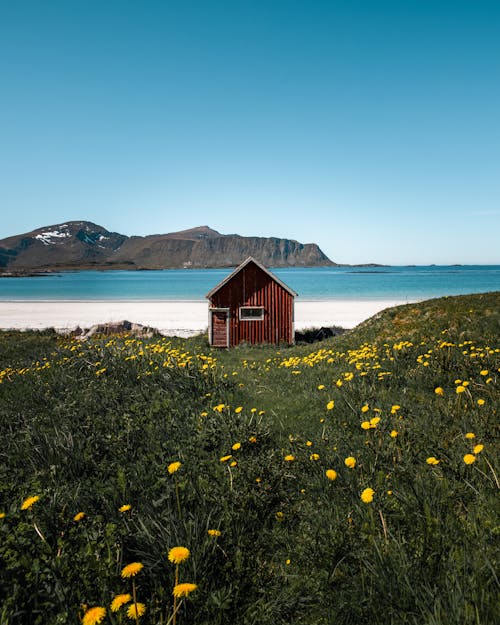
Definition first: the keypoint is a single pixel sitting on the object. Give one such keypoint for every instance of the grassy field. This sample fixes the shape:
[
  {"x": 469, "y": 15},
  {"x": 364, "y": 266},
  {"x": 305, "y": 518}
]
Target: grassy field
[{"x": 353, "y": 480}]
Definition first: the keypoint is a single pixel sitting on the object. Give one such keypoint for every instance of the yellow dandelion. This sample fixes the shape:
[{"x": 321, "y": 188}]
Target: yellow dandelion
[
  {"x": 173, "y": 467},
  {"x": 125, "y": 508},
  {"x": 395, "y": 408},
  {"x": 478, "y": 449},
  {"x": 480, "y": 402},
  {"x": 331, "y": 474},
  {"x": 366, "y": 425},
  {"x": 374, "y": 421},
  {"x": 308, "y": 443},
  {"x": 484, "y": 372},
  {"x": 469, "y": 458},
  {"x": 314, "y": 457},
  {"x": 225, "y": 458},
  {"x": 136, "y": 610},
  {"x": 2, "y": 515},
  {"x": 321, "y": 387},
  {"x": 79, "y": 516},
  {"x": 439, "y": 391},
  {"x": 288, "y": 561},
  {"x": 432, "y": 460},
  {"x": 214, "y": 533},
  {"x": 233, "y": 464},
  {"x": 394, "y": 434},
  {"x": 350, "y": 462},
  {"x": 280, "y": 515},
  {"x": 252, "y": 439},
  {"x": 132, "y": 569},
  {"x": 470, "y": 435},
  {"x": 367, "y": 495},
  {"x": 238, "y": 409},
  {"x": 120, "y": 600},
  {"x": 178, "y": 554},
  {"x": 183, "y": 590},
  {"x": 27, "y": 503},
  {"x": 93, "y": 616},
  {"x": 365, "y": 408},
  {"x": 236, "y": 446},
  {"x": 289, "y": 458},
  {"x": 330, "y": 405},
  {"x": 460, "y": 389}
]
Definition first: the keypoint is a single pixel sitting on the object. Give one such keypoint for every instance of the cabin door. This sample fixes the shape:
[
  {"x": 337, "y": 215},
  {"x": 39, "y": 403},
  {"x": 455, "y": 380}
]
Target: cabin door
[{"x": 219, "y": 325}]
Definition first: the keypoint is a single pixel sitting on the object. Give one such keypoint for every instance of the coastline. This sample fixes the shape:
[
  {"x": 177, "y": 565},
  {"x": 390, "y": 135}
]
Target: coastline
[{"x": 172, "y": 318}]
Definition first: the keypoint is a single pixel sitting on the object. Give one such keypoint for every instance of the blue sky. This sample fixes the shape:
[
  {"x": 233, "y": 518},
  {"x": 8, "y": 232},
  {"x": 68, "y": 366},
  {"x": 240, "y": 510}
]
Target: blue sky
[{"x": 369, "y": 127}]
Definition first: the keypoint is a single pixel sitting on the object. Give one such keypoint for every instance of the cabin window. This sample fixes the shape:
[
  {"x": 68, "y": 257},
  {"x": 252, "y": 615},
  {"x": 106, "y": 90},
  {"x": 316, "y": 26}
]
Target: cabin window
[{"x": 251, "y": 313}]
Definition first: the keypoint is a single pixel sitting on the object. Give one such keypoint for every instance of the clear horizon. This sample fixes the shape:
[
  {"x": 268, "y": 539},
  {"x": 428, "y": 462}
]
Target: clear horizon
[{"x": 370, "y": 129}]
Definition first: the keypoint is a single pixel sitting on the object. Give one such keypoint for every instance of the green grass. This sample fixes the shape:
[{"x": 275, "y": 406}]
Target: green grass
[{"x": 89, "y": 427}]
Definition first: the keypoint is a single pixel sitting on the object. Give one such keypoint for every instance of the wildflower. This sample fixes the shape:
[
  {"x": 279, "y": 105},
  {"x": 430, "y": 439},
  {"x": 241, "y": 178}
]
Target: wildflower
[
  {"x": 365, "y": 408},
  {"x": 395, "y": 408},
  {"x": 178, "y": 554},
  {"x": 238, "y": 409},
  {"x": 432, "y": 460},
  {"x": 120, "y": 600},
  {"x": 173, "y": 467},
  {"x": 330, "y": 404},
  {"x": 2, "y": 515},
  {"x": 478, "y": 449},
  {"x": 252, "y": 439},
  {"x": 439, "y": 391},
  {"x": 469, "y": 458},
  {"x": 350, "y": 462},
  {"x": 314, "y": 457},
  {"x": 331, "y": 474},
  {"x": 280, "y": 515},
  {"x": 226, "y": 458},
  {"x": 79, "y": 516},
  {"x": 394, "y": 434},
  {"x": 125, "y": 508},
  {"x": 374, "y": 421},
  {"x": 308, "y": 443},
  {"x": 132, "y": 569},
  {"x": 366, "y": 425},
  {"x": 367, "y": 495},
  {"x": 480, "y": 402},
  {"x": 470, "y": 435},
  {"x": 460, "y": 389},
  {"x": 389, "y": 492},
  {"x": 288, "y": 561},
  {"x": 136, "y": 610},
  {"x": 484, "y": 372},
  {"x": 214, "y": 532},
  {"x": 183, "y": 590},
  {"x": 289, "y": 458},
  {"x": 233, "y": 464},
  {"x": 236, "y": 446},
  {"x": 27, "y": 503},
  {"x": 93, "y": 616}
]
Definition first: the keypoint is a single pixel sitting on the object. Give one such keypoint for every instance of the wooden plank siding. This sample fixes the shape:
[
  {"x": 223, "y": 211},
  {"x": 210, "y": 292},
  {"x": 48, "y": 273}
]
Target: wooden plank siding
[{"x": 253, "y": 286}]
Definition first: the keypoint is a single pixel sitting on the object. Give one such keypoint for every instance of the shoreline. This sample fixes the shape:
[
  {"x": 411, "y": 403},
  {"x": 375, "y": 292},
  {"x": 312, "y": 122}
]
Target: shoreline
[{"x": 182, "y": 318}]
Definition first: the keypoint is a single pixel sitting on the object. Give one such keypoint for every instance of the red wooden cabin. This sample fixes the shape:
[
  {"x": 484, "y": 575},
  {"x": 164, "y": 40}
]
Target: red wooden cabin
[{"x": 252, "y": 306}]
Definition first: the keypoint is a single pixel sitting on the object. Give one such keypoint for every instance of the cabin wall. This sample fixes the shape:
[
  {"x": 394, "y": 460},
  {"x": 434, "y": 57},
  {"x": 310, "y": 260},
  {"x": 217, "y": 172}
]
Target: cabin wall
[{"x": 253, "y": 287}]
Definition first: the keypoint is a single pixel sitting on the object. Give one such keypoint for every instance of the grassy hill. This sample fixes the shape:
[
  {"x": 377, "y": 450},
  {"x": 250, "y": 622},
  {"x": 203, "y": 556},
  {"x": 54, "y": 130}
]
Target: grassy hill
[{"x": 354, "y": 480}]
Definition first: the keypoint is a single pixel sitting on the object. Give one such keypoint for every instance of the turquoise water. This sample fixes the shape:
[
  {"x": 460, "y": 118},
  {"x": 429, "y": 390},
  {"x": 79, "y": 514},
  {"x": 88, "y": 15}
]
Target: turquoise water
[{"x": 318, "y": 283}]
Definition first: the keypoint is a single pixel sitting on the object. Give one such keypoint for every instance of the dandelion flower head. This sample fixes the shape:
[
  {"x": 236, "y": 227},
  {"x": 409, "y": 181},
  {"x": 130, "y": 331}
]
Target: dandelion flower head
[
  {"x": 289, "y": 458},
  {"x": 331, "y": 474},
  {"x": 132, "y": 569},
  {"x": 432, "y": 460},
  {"x": 214, "y": 532},
  {"x": 183, "y": 590},
  {"x": 350, "y": 462},
  {"x": 136, "y": 610},
  {"x": 120, "y": 600},
  {"x": 469, "y": 458},
  {"x": 79, "y": 516},
  {"x": 173, "y": 467},
  {"x": 367, "y": 495},
  {"x": 236, "y": 446},
  {"x": 27, "y": 503},
  {"x": 178, "y": 554},
  {"x": 125, "y": 508},
  {"x": 478, "y": 449},
  {"x": 93, "y": 616}
]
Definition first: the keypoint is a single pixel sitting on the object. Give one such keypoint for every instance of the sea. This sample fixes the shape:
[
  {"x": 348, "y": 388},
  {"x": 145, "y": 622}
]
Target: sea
[{"x": 409, "y": 283}]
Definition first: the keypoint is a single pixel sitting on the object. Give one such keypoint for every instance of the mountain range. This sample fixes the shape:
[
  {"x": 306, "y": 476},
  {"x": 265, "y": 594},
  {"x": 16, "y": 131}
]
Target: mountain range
[{"x": 85, "y": 245}]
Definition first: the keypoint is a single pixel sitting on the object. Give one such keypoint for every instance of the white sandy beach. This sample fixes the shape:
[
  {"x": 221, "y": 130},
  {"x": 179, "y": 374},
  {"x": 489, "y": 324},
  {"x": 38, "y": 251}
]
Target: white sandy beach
[{"x": 172, "y": 318}]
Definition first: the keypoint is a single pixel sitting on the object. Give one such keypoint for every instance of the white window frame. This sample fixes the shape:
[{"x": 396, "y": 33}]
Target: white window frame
[{"x": 243, "y": 318}]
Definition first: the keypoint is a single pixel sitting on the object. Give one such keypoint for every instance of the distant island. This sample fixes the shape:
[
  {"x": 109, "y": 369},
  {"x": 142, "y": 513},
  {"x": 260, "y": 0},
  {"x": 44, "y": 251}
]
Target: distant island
[{"x": 79, "y": 245}]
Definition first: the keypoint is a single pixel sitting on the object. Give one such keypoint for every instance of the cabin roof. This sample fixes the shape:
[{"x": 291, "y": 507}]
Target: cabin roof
[{"x": 249, "y": 260}]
